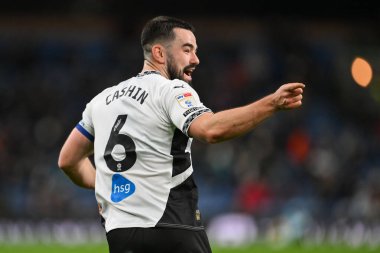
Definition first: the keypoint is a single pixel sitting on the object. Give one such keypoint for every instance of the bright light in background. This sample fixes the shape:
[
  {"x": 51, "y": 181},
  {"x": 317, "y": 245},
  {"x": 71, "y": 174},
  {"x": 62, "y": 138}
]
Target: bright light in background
[{"x": 361, "y": 72}]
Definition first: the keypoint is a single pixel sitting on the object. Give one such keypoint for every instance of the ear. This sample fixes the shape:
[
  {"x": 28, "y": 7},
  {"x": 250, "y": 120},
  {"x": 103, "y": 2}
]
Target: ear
[{"x": 158, "y": 53}]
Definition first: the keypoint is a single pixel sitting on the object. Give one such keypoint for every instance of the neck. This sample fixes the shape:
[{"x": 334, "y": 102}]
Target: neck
[{"x": 150, "y": 66}]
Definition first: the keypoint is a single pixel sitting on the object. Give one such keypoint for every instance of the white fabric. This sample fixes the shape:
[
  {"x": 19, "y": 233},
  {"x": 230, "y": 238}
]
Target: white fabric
[{"x": 154, "y": 107}]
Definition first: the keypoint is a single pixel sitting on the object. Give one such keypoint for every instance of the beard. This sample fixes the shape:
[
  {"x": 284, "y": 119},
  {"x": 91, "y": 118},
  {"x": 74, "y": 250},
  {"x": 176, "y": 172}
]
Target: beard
[{"x": 174, "y": 72}]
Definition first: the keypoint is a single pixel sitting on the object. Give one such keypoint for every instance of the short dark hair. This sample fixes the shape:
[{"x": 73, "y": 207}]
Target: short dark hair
[{"x": 160, "y": 29}]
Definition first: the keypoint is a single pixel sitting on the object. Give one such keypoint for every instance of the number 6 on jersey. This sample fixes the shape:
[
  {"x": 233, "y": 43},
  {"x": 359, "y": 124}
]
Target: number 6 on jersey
[{"x": 120, "y": 153}]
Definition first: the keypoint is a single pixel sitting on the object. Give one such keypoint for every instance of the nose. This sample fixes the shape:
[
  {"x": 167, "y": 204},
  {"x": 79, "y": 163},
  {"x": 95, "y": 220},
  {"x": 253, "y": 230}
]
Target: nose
[{"x": 194, "y": 59}]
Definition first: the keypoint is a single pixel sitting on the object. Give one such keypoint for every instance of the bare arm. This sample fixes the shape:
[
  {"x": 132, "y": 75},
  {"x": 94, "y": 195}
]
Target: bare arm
[
  {"x": 225, "y": 125},
  {"x": 74, "y": 161}
]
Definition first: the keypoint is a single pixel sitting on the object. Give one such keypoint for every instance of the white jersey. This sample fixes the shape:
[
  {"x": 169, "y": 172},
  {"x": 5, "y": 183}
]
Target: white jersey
[{"x": 142, "y": 152}]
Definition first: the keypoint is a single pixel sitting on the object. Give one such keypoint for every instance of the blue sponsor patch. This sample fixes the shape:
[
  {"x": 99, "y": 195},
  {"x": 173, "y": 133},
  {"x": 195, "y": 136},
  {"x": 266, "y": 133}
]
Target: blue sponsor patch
[{"x": 121, "y": 188}]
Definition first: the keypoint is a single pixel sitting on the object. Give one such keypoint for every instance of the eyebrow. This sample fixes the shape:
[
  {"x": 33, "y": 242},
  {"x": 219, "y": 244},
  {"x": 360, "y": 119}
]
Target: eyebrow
[{"x": 189, "y": 45}]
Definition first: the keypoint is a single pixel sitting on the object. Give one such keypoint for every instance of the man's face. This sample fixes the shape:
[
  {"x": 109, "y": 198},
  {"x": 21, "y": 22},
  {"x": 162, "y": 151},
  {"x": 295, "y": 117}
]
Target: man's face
[{"x": 181, "y": 56}]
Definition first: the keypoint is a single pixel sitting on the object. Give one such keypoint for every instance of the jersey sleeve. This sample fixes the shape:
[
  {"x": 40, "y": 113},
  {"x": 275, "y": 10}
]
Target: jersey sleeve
[
  {"x": 183, "y": 105},
  {"x": 85, "y": 126}
]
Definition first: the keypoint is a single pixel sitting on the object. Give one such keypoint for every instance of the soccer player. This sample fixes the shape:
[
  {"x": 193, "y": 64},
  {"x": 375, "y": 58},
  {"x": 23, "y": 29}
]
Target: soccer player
[{"x": 140, "y": 133}]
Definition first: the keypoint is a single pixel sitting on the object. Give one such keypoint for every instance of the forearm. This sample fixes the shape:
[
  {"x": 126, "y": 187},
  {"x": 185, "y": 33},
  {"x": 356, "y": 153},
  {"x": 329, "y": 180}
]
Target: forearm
[
  {"x": 234, "y": 122},
  {"x": 224, "y": 125},
  {"x": 82, "y": 173},
  {"x": 73, "y": 160}
]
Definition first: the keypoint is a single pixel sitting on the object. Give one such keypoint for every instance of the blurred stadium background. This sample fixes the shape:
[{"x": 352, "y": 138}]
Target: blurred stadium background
[{"x": 309, "y": 176}]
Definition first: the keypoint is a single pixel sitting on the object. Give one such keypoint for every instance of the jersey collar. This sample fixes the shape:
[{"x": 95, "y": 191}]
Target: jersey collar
[{"x": 148, "y": 72}]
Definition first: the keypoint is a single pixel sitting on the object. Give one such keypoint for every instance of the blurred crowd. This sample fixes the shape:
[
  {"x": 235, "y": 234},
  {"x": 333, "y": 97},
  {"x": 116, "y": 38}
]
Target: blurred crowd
[{"x": 322, "y": 160}]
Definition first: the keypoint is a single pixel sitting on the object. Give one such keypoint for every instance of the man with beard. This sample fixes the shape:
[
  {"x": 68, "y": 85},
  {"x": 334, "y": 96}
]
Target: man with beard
[{"x": 140, "y": 133}]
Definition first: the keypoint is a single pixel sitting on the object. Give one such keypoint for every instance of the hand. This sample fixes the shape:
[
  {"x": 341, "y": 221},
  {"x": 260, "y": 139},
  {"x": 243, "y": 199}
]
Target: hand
[{"x": 288, "y": 96}]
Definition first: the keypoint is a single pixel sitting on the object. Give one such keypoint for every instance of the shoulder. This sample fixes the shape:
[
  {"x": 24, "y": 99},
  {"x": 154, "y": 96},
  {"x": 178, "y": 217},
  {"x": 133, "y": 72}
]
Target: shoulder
[
  {"x": 176, "y": 86},
  {"x": 173, "y": 89}
]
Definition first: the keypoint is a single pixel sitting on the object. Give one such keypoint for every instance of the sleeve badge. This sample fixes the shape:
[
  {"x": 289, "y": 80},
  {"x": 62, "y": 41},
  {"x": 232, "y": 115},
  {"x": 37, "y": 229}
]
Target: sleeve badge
[{"x": 186, "y": 100}]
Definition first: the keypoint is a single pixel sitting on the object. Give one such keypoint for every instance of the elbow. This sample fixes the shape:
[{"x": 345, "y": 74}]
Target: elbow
[
  {"x": 208, "y": 132},
  {"x": 213, "y": 137},
  {"x": 64, "y": 163}
]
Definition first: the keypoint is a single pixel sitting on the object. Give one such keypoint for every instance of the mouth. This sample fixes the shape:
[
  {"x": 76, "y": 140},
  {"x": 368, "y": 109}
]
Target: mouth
[{"x": 188, "y": 72}]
